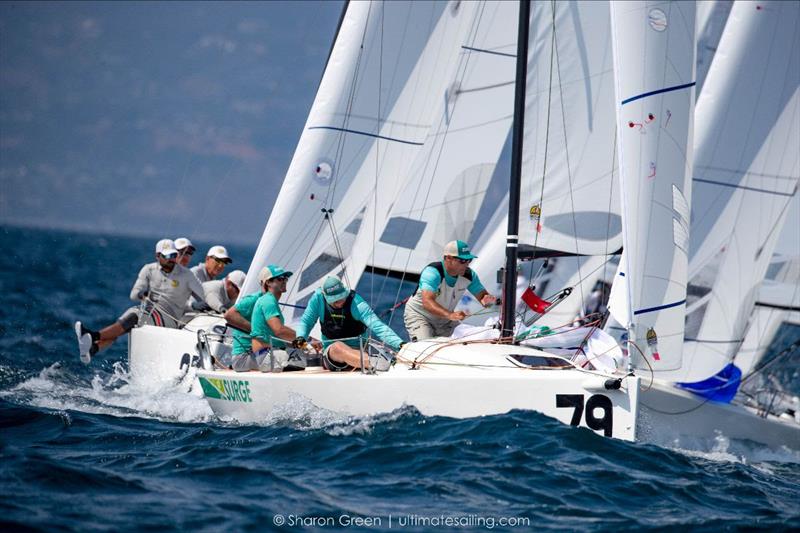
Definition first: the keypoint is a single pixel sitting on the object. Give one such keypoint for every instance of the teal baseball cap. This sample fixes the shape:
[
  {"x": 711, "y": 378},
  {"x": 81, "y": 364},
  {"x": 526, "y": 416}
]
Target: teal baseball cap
[
  {"x": 334, "y": 290},
  {"x": 458, "y": 249},
  {"x": 272, "y": 271}
]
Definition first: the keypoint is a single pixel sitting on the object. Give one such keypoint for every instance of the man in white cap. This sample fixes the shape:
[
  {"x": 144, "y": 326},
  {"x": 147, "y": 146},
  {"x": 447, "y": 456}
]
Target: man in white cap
[
  {"x": 345, "y": 318},
  {"x": 216, "y": 259},
  {"x": 221, "y": 294},
  {"x": 185, "y": 250},
  {"x": 430, "y": 311},
  {"x": 163, "y": 286}
]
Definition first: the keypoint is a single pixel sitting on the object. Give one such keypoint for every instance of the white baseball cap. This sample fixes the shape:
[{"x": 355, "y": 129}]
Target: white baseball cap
[
  {"x": 166, "y": 247},
  {"x": 183, "y": 243},
  {"x": 220, "y": 253},
  {"x": 237, "y": 278}
]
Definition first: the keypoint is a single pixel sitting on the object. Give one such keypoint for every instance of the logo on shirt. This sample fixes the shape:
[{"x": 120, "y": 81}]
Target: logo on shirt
[{"x": 175, "y": 283}]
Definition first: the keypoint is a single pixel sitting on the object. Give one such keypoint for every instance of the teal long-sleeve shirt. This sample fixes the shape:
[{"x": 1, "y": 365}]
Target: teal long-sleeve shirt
[{"x": 360, "y": 310}]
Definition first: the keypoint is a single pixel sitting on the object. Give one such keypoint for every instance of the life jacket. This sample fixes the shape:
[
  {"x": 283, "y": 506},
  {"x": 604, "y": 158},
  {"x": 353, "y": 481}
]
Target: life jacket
[
  {"x": 340, "y": 323},
  {"x": 440, "y": 269},
  {"x": 446, "y": 296}
]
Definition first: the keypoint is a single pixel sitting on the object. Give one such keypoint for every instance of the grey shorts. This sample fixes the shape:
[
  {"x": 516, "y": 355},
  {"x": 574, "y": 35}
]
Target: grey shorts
[
  {"x": 421, "y": 327},
  {"x": 269, "y": 360}
]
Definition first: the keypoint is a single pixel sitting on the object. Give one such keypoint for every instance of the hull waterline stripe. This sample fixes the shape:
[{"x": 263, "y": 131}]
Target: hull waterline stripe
[
  {"x": 713, "y": 342},
  {"x": 746, "y": 188},
  {"x": 366, "y": 134},
  {"x": 659, "y": 308},
  {"x": 471, "y": 49},
  {"x": 659, "y": 91}
]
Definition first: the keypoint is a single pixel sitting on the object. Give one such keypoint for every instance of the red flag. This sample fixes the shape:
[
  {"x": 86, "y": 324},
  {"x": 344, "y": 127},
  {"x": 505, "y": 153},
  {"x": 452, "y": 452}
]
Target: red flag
[{"x": 534, "y": 302}]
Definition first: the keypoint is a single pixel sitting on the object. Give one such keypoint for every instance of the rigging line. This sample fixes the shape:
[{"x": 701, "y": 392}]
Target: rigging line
[
  {"x": 546, "y": 138},
  {"x": 743, "y": 187},
  {"x": 377, "y": 163},
  {"x": 306, "y": 257},
  {"x": 348, "y": 110},
  {"x": 339, "y": 250},
  {"x": 426, "y": 97},
  {"x": 610, "y": 201},
  {"x": 566, "y": 155},
  {"x": 461, "y": 73}
]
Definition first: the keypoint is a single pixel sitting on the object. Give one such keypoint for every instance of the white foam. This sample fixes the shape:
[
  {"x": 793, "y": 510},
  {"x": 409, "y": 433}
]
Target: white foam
[{"x": 114, "y": 394}]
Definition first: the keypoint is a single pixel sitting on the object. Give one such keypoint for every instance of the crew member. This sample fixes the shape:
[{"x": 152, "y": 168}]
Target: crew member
[
  {"x": 430, "y": 311},
  {"x": 216, "y": 260},
  {"x": 163, "y": 286},
  {"x": 221, "y": 294},
  {"x": 185, "y": 251},
  {"x": 344, "y": 319}
]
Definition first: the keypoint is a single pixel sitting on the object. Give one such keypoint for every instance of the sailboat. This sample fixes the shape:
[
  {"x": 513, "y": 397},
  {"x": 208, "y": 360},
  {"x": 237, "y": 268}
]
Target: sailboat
[{"x": 400, "y": 146}]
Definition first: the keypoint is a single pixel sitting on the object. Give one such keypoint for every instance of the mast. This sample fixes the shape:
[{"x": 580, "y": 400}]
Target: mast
[{"x": 512, "y": 237}]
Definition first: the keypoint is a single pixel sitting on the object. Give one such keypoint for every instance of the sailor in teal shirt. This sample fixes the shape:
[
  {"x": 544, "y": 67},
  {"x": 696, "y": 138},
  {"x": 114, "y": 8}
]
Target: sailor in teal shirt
[
  {"x": 430, "y": 312},
  {"x": 344, "y": 320},
  {"x": 244, "y": 307},
  {"x": 261, "y": 316}
]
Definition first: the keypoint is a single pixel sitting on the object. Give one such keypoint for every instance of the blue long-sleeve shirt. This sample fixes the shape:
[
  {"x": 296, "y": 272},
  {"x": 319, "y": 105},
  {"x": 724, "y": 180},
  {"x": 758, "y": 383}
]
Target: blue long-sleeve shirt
[{"x": 359, "y": 309}]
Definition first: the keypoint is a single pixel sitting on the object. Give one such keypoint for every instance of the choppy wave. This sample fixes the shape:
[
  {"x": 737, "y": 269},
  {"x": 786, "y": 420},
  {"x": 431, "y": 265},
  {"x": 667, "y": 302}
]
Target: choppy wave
[{"x": 90, "y": 448}]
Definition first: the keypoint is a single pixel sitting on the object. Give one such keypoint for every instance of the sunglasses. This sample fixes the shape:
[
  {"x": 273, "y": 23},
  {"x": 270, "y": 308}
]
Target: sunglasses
[
  {"x": 186, "y": 251},
  {"x": 169, "y": 256},
  {"x": 462, "y": 261},
  {"x": 280, "y": 278},
  {"x": 219, "y": 261}
]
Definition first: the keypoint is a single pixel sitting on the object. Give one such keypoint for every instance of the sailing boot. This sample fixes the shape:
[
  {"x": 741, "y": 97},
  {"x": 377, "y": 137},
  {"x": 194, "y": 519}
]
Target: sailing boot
[{"x": 87, "y": 342}]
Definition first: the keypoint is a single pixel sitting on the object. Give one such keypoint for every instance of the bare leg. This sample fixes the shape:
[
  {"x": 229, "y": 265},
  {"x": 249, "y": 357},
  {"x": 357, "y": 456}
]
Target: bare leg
[{"x": 342, "y": 353}]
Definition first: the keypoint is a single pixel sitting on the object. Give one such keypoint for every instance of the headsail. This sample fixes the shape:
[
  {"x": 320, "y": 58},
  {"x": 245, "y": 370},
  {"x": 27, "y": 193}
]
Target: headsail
[
  {"x": 440, "y": 201},
  {"x": 373, "y": 110},
  {"x": 747, "y": 168},
  {"x": 654, "y": 58}
]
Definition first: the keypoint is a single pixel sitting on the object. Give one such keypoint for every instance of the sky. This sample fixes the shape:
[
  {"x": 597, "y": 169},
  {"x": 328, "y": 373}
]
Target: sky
[{"x": 162, "y": 118}]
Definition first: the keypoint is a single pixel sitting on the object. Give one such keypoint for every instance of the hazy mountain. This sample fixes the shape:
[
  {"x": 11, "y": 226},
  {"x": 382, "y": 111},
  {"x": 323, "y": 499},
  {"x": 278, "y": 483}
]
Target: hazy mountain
[{"x": 154, "y": 118}]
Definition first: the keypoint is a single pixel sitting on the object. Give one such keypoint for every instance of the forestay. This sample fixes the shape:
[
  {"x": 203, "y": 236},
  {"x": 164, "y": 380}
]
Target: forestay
[
  {"x": 747, "y": 167},
  {"x": 654, "y": 58}
]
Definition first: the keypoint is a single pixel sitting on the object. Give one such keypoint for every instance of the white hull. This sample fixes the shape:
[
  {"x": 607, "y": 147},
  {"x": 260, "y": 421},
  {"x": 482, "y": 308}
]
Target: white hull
[
  {"x": 443, "y": 386},
  {"x": 680, "y": 415},
  {"x": 437, "y": 388}
]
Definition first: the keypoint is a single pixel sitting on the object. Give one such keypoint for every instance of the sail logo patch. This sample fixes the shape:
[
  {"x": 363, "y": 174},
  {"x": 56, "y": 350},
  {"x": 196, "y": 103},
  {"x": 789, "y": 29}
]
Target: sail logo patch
[
  {"x": 233, "y": 390},
  {"x": 657, "y": 20}
]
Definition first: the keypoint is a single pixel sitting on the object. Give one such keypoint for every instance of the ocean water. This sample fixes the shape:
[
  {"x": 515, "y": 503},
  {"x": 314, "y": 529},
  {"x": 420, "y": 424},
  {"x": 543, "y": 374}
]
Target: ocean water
[{"x": 83, "y": 448}]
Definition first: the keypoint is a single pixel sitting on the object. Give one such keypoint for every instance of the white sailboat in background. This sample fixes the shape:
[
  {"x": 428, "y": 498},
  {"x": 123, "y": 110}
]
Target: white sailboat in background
[{"x": 395, "y": 160}]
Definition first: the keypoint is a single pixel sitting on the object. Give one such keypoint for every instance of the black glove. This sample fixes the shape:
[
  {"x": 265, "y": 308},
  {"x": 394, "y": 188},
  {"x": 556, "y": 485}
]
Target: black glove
[
  {"x": 401, "y": 345},
  {"x": 142, "y": 295},
  {"x": 299, "y": 342},
  {"x": 199, "y": 305}
]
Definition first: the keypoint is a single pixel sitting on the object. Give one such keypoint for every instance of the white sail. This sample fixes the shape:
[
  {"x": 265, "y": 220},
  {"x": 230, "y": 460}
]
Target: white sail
[
  {"x": 440, "y": 201},
  {"x": 711, "y": 18},
  {"x": 746, "y": 170},
  {"x": 778, "y": 303},
  {"x": 654, "y": 59},
  {"x": 570, "y": 201},
  {"x": 374, "y": 108}
]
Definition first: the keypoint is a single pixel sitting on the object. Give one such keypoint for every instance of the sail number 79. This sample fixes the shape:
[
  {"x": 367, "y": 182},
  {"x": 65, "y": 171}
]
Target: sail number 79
[{"x": 595, "y": 402}]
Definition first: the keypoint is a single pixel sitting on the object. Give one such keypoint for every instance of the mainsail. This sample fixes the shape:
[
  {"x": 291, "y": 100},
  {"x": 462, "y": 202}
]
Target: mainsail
[
  {"x": 654, "y": 58},
  {"x": 569, "y": 200}
]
